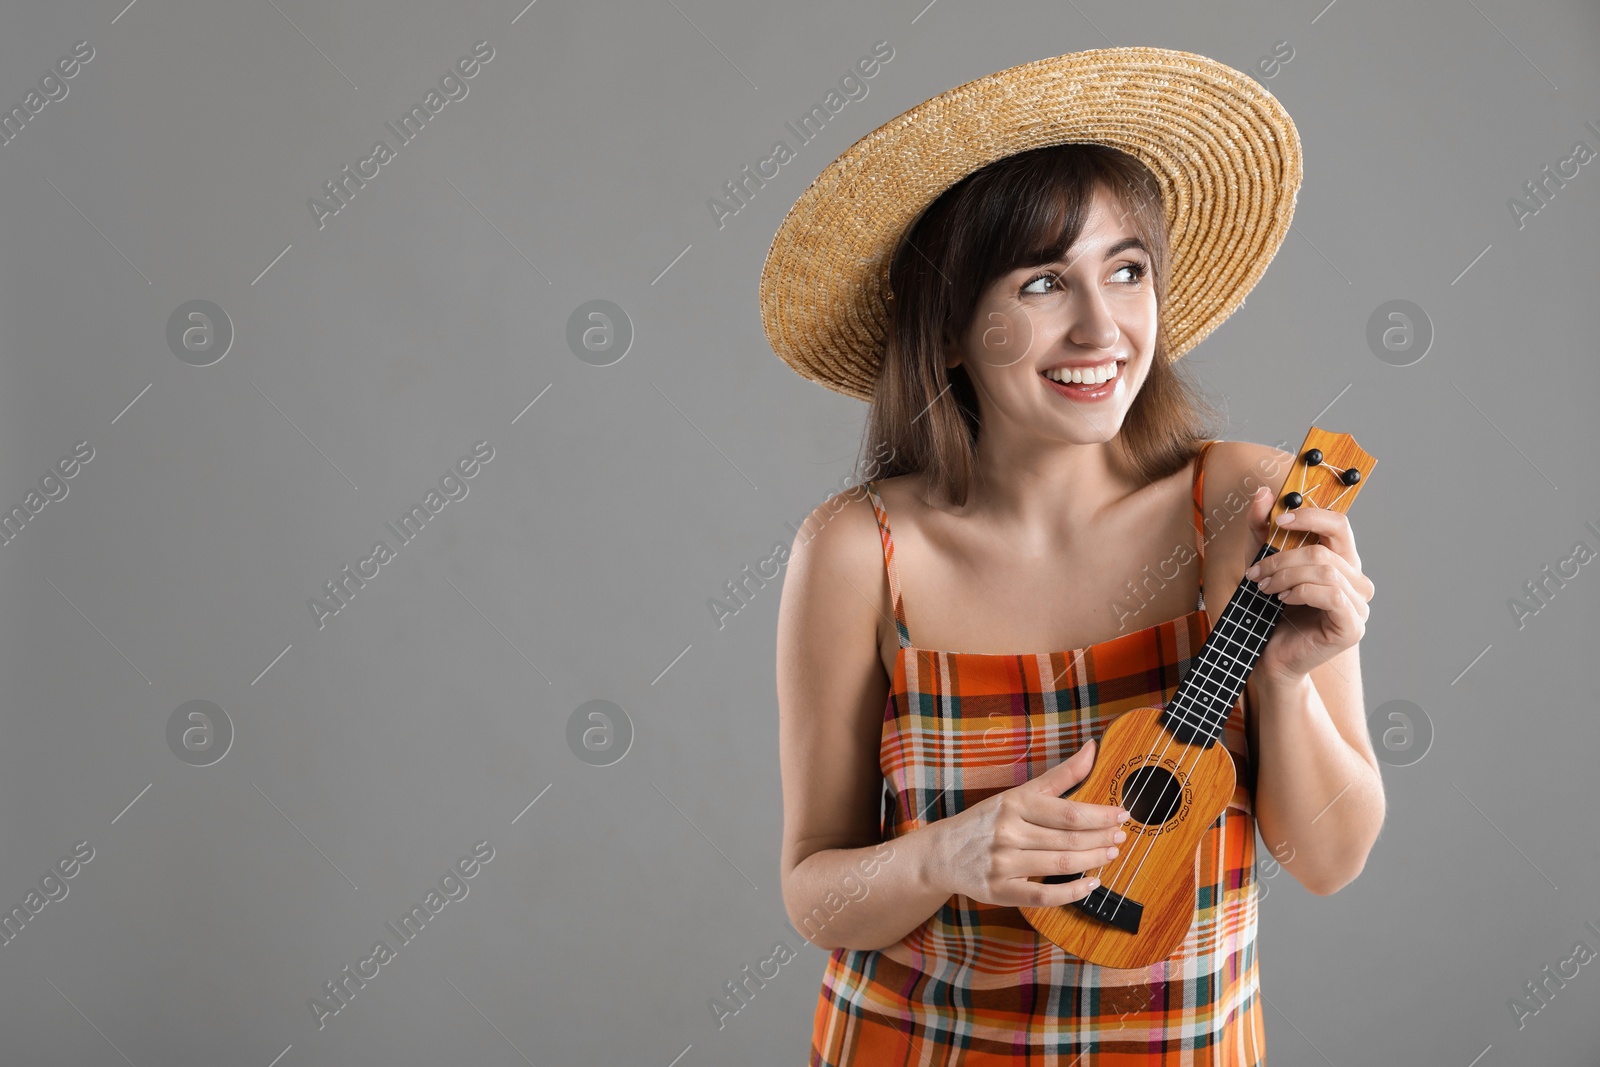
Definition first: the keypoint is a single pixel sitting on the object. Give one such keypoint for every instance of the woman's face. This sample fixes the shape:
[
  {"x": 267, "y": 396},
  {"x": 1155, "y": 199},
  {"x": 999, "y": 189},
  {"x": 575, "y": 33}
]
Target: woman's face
[{"x": 1094, "y": 312}]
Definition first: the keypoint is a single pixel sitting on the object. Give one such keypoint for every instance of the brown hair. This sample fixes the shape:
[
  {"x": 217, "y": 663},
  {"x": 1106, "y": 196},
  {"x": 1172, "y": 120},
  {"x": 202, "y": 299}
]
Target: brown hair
[{"x": 1025, "y": 209}]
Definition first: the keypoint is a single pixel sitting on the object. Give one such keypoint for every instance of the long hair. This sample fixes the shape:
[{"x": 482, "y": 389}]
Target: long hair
[{"x": 923, "y": 415}]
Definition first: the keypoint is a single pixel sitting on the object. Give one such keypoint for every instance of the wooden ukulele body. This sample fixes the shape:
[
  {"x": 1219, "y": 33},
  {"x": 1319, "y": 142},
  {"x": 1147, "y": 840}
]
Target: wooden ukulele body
[{"x": 1173, "y": 793}]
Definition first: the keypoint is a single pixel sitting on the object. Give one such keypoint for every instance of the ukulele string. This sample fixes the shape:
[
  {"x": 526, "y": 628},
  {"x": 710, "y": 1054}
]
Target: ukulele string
[
  {"x": 1184, "y": 719},
  {"x": 1150, "y": 844},
  {"x": 1305, "y": 537}
]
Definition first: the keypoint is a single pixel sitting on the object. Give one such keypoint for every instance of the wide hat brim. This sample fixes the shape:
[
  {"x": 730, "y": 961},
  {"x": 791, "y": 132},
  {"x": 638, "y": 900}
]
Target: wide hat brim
[{"x": 1223, "y": 151}]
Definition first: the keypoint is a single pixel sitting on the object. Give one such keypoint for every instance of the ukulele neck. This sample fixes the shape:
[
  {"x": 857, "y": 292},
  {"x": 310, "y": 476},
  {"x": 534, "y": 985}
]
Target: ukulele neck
[{"x": 1208, "y": 691}]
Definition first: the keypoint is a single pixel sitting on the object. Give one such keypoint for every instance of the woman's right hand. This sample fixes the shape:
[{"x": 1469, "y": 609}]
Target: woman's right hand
[{"x": 990, "y": 851}]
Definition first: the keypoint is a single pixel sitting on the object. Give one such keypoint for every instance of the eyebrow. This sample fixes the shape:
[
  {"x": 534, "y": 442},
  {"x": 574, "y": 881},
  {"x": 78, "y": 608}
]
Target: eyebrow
[{"x": 1052, "y": 255}]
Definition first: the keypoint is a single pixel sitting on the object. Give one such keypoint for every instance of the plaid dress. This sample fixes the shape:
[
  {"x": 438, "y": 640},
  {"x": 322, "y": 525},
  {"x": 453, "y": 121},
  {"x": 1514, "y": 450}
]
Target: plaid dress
[{"x": 975, "y": 984}]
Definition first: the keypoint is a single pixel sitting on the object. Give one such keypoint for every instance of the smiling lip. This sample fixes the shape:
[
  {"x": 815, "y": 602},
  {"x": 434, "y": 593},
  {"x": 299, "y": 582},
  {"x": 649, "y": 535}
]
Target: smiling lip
[{"x": 1083, "y": 392}]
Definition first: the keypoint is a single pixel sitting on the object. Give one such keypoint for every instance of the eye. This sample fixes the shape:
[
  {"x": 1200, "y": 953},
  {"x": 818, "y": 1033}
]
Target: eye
[
  {"x": 1028, "y": 286},
  {"x": 1139, "y": 270}
]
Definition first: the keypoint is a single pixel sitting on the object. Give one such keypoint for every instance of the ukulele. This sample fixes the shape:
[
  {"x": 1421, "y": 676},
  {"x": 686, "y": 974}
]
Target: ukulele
[{"x": 1165, "y": 765}]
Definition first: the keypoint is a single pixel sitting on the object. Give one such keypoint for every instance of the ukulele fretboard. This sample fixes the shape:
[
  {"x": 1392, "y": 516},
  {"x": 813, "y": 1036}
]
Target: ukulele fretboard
[{"x": 1205, "y": 696}]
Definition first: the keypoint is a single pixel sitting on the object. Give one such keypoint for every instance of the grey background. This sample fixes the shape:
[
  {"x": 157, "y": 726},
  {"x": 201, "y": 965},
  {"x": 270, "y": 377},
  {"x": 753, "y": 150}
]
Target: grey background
[{"x": 433, "y": 710}]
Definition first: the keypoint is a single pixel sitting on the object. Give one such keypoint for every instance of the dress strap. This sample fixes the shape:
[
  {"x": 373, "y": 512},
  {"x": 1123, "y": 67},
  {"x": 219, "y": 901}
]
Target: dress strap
[
  {"x": 888, "y": 564},
  {"x": 1200, "y": 516}
]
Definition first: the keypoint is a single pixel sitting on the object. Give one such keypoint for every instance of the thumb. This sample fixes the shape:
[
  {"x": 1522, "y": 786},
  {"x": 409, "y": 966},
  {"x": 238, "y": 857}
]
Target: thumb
[{"x": 1070, "y": 771}]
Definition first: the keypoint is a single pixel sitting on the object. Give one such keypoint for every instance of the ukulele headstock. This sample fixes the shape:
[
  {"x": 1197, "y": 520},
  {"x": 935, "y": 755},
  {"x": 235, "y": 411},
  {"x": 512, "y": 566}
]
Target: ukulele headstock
[{"x": 1328, "y": 472}]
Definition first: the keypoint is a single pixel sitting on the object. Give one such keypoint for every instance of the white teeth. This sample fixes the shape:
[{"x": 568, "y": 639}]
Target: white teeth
[{"x": 1087, "y": 376}]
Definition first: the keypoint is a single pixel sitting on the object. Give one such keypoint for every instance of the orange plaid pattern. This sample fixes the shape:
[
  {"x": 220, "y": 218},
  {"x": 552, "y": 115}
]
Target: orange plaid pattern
[{"x": 975, "y": 984}]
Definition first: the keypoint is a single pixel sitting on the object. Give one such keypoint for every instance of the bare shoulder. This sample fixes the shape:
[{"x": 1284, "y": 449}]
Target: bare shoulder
[
  {"x": 1234, "y": 471},
  {"x": 1244, "y": 466},
  {"x": 835, "y": 570}
]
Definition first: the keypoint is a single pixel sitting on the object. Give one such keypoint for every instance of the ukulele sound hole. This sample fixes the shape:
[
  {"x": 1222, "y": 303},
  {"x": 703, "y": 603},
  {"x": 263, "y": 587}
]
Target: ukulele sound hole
[{"x": 1151, "y": 795}]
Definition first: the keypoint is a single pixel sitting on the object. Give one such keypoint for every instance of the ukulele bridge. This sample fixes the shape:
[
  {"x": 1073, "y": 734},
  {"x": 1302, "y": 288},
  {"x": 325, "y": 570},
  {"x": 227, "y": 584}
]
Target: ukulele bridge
[{"x": 1108, "y": 906}]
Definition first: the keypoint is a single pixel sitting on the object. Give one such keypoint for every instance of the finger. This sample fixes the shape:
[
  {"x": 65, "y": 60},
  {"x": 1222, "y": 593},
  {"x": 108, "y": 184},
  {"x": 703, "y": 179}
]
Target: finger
[
  {"x": 1055, "y": 814},
  {"x": 1304, "y": 555},
  {"x": 1032, "y": 894},
  {"x": 1037, "y": 864},
  {"x": 1287, "y": 579},
  {"x": 1033, "y": 837},
  {"x": 1330, "y": 599},
  {"x": 1332, "y": 528},
  {"x": 1069, "y": 772}
]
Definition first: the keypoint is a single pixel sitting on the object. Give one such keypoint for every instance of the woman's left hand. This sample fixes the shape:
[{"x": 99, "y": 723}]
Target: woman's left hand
[{"x": 1323, "y": 590}]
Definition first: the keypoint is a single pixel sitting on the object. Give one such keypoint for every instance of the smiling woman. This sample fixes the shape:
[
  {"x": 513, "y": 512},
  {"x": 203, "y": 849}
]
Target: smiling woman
[
  {"x": 1008, "y": 273},
  {"x": 987, "y": 263}
]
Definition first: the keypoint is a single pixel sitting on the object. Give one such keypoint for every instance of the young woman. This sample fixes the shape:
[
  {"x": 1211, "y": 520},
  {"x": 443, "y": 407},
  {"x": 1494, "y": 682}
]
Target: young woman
[{"x": 940, "y": 685}]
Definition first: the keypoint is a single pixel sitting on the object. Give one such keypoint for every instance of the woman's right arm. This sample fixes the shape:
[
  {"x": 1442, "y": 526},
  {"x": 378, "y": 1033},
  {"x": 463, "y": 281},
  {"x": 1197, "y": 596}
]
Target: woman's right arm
[{"x": 843, "y": 886}]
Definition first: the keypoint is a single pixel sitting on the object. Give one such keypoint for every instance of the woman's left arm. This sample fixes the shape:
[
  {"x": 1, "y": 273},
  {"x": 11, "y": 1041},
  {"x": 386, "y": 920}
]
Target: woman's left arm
[{"x": 1318, "y": 795}]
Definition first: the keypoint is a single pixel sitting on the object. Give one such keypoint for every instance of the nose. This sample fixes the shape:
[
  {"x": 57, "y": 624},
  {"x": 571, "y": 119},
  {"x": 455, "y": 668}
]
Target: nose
[{"x": 1092, "y": 323}]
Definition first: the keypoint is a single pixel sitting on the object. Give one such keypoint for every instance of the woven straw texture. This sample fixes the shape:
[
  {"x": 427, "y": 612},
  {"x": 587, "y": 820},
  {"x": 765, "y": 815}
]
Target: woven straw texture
[{"x": 1223, "y": 151}]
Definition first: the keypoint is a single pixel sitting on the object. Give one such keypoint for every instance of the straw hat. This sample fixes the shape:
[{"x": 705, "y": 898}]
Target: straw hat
[{"x": 1223, "y": 151}]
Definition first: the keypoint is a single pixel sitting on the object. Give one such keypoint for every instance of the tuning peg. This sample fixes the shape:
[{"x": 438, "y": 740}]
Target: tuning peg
[
  {"x": 1293, "y": 500},
  {"x": 1313, "y": 457},
  {"x": 1350, "y": 476}
]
